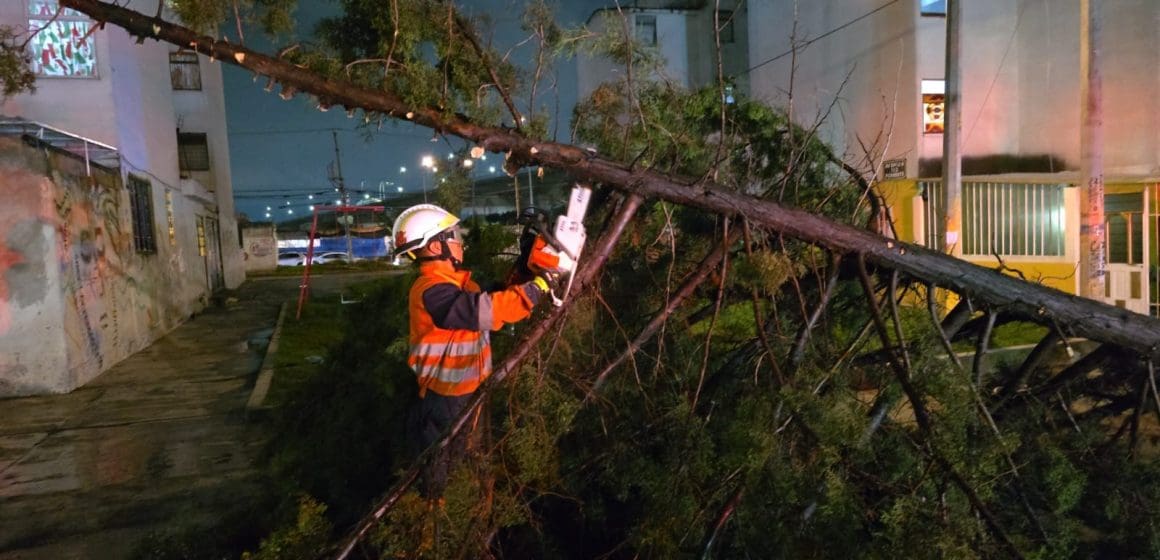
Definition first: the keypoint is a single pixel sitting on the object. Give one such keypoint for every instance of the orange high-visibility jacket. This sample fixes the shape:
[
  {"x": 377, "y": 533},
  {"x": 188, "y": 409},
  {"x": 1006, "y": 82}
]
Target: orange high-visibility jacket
[{"x": 450, "y": 320}]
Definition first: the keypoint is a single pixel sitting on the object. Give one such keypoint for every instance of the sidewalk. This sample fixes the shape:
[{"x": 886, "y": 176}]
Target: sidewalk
[{"x": 160, "y": 439}]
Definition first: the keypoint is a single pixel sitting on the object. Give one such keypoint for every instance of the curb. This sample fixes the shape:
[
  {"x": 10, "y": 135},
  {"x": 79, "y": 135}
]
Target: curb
[{"x": 266, "y": 375}]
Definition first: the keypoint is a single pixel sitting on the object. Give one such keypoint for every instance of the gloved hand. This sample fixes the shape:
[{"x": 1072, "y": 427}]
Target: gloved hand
[
  {"x": 544, "y": 258},
  {"x": 547, "y": 283}
]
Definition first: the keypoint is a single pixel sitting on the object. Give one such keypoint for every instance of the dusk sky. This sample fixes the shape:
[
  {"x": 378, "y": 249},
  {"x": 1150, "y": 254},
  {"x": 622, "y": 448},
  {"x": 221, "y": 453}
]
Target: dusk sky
[{"x": 280, "y": 149}]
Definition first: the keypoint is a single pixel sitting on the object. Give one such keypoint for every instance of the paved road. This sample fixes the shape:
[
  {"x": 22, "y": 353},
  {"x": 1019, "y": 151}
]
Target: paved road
[{"x": 159, "y": 439}]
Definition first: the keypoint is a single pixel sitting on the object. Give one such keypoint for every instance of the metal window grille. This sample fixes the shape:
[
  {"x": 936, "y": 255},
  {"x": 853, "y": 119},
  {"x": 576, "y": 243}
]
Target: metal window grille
[
  {"x": 646, "y": 29},
  {"x": 192, "y": 151},
  {"x": 1011, "y": 219},
  {"x": 141, "y": 205},
  {"x": 184, "y": 71}
]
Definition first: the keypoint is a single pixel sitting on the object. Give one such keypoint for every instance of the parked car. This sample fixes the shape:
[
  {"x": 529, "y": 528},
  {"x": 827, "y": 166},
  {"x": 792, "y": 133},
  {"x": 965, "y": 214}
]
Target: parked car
[
  {"x": 330, "y": 257},
  {"x": 291, "y": 258}
]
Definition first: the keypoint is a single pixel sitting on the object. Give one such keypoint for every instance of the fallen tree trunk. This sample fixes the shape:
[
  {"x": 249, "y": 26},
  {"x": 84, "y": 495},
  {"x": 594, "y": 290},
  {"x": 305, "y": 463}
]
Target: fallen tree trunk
[{"x": 1084, "y": 317}]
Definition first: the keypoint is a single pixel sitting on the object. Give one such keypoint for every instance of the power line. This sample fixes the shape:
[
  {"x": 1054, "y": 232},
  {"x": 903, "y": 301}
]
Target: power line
[{"x": 822, "y": 36}]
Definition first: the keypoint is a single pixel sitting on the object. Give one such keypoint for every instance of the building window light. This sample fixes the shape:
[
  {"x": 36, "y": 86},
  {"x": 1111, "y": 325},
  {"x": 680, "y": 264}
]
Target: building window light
[{"x": 933, "y": 106}]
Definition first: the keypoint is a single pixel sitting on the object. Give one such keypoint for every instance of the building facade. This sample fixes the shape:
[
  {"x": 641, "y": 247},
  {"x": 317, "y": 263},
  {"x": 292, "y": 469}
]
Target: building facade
[
  {"x": 682, "y": 32},
  {"x": 122, "y": 223},
  {"x": 875, "y": 70}
]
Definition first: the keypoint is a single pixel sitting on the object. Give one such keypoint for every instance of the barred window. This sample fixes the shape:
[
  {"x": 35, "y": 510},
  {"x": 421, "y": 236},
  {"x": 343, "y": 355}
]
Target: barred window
[
  {"x": 192, "y": 151},
  {"x": 61, "y": 45},
  {"x": 201, "y": 239},
  {"x": 1011, "y": 219},
  {"x": 184, "y": 72},
  {"x": 141, "y": 205}
]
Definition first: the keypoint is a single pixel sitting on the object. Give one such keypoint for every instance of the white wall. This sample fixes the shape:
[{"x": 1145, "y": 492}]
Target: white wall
[
  {"x": 1020, "y": 72},
  {"x": 97, "y": 122},
  {"x": 862, "y": 80},
  {"x": 672, "y": 37}
]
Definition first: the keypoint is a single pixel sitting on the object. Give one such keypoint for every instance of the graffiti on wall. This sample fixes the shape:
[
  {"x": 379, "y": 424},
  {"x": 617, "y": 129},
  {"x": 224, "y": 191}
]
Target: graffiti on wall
[{"x": 66, "y": 244}]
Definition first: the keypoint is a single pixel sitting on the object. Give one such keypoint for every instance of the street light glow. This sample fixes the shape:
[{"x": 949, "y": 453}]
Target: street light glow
[
  {"x": 428, "y": 162},
  {"x": 403, "y": 169},
  {"x": 400, "y": 188},
  {"x": 468, "y": 163},
  {"x": 491, "y": 169}
]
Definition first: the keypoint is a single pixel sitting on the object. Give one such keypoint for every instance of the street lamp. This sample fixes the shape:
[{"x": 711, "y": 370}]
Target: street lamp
[{"x": 427, "y": 162}]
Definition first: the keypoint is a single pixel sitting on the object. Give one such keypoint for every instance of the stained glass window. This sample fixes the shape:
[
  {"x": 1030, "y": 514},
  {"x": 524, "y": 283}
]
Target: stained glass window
[{"x": 62, "y": 45}]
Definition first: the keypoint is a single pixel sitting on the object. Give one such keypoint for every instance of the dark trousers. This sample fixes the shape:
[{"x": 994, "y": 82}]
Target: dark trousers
[{"x": 429, "y": 420}]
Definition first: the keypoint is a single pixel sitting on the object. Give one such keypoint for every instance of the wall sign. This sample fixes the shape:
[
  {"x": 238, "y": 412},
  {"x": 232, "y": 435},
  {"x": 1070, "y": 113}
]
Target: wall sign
[{"x": 894, "y": 169}]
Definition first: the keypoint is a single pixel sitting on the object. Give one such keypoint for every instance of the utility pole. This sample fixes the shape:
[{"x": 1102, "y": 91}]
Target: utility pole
[
  {"x": 342, "y": 196},
  {"x": 952, "y": 174},
  {"x": 1092, "y": 236}
]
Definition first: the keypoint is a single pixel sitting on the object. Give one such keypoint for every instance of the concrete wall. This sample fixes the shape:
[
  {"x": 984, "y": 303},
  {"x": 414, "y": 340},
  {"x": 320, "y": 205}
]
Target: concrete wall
[
  {"x": 1020, "y": 77},
  {"x": 77, "y": 297},
  {"x": 672, "y": 44},
  {"x": 861, "y": 81},
  {"x": 702, "y": 48},
  {"x": 98, "y": 120},
  {"x": 261, "y": 247}
]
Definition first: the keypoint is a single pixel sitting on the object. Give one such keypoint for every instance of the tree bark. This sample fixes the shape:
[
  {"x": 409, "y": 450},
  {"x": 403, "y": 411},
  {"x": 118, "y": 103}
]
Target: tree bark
[{"x": 1088, "y": 318}]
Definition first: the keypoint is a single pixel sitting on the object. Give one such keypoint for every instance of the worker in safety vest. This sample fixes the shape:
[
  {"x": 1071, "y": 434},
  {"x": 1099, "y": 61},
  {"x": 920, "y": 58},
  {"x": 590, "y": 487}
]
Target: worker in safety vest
[{"x": 450, "y": 320}]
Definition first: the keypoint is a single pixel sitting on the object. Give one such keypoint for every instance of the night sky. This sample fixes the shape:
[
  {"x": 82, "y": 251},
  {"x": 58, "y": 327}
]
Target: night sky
[{"x": 280, "y": 150}]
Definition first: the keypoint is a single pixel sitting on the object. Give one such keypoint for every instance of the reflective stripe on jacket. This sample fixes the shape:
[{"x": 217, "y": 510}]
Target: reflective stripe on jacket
[{"x": 450, "y": 320}]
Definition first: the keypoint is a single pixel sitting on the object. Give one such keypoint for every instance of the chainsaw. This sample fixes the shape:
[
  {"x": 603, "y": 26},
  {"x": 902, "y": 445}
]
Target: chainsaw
[{"x": 565, "y": 241}]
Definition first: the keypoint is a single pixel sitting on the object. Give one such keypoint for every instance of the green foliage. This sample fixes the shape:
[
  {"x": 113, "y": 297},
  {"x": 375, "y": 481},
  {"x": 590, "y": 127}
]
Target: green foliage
[
  {"x": 208, "y": 16},
  {"x": 340, "y": 433},
  {"x": 16, "y": 74},
  {"x": 308, "y": 537}
]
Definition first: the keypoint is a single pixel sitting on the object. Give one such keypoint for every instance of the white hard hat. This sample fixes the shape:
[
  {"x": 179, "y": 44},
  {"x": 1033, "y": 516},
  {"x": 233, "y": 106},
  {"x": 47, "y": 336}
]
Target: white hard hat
[{"x": 417, "y": 225}]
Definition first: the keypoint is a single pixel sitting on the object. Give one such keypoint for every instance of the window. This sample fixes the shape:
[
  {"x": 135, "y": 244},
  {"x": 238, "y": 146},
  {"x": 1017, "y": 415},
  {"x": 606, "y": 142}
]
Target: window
[
  {"x": 141, "y": 205},
  {"x": 201, "y": 240},
  {"x": 184, "y": 72},
  {"x": 725, "y": 20},
  {"x": 933, "y": 106},
  {"x": 646, "y": 29},
  {"x": 933, "y": 7},
  {"x": 169, "y": 218},
  {"x": 192, "y": 152},
  {"x": 61, "y": 45},
  {"x": 1011, "y": 219}
]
